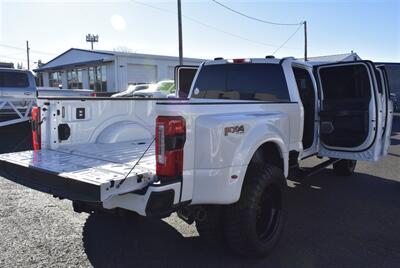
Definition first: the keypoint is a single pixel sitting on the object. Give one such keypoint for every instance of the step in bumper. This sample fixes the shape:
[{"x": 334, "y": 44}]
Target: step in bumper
[{"x": 156, "y": 200}]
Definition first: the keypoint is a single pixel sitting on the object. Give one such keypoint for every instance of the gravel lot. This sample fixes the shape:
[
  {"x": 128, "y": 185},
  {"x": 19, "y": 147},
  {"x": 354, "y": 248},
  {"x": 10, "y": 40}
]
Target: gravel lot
[{"x": 333, "y": 222}]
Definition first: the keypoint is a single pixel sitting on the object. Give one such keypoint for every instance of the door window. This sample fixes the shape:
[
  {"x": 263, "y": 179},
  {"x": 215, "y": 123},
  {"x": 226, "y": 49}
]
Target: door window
[
  {"x": 307, "y": 94},
  {"x": 185, "y": 76}
]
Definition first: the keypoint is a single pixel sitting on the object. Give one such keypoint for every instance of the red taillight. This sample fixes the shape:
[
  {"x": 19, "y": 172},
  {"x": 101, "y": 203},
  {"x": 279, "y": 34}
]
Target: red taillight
[
  {"x": 93, "y": 94},
  {"x": 36, "y": 128},
  {"x": 170, "y": 139}
]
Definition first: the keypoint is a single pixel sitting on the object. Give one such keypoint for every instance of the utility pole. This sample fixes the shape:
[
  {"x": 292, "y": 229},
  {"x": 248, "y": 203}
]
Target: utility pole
[
  {"x": 180, "y": 33},
  {"x": 27, "y": 53},
  {"x": 305, "y": 40}
]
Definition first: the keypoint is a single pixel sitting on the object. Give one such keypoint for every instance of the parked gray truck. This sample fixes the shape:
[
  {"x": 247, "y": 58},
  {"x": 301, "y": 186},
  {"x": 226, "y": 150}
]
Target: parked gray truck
[{"x": 18, "y": 94}]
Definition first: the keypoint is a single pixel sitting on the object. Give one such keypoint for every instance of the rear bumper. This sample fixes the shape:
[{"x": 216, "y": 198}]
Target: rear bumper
[
  {"x": 51, "y": 183},
  {"x": 156, "y": 200}
]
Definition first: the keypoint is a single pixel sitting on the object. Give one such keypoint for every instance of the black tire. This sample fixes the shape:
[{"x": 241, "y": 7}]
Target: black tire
[
  {"x": 210, "y": 227},
  {"x": 345, "y": 167},
  {"x": 254, "y": 224}
]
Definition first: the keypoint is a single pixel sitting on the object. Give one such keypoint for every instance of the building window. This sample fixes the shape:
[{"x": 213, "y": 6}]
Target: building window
[
  {"x": 74, "y": 78},
  {"x": 98, "y": 78},
  {"x": 39, "y": 79},
  {"x": 90, "y": 76},
  {"x": 55, "y": 79}
]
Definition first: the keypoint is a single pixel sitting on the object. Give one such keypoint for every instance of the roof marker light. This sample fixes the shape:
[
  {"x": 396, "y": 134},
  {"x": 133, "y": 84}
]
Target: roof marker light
[{"x": 238, "y": 61}]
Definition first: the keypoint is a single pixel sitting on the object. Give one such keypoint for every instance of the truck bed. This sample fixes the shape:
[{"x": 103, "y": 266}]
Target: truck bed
[{"x": 87, "y": 172}]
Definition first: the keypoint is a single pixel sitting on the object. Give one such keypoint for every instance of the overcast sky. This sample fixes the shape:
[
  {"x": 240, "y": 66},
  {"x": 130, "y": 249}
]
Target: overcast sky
[{"x": 370, "y": 28}]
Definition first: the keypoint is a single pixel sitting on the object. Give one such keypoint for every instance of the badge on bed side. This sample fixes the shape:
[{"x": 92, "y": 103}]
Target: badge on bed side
[{"x": 234, "y": 130}]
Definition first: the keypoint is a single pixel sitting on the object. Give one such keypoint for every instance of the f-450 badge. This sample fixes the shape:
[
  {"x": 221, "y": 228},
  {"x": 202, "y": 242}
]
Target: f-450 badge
[{"x": 234, "y": 130}]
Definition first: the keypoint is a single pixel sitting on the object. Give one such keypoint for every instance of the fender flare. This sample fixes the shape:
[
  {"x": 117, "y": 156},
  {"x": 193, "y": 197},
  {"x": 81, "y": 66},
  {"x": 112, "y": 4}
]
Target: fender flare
[
  {"x": 271, "y": 134},
  {"x": 283, "y": 152}
]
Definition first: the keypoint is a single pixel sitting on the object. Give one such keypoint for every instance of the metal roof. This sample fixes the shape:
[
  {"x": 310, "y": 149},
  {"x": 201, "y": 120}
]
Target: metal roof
[
  {"x": 75, "y": 57},
  {"x": 140, "y": 55}
]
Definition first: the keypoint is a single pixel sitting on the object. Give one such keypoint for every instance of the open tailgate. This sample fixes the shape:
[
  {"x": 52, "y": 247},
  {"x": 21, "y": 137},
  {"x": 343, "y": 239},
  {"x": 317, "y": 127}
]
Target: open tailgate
[{"x": 88, "y": 172}]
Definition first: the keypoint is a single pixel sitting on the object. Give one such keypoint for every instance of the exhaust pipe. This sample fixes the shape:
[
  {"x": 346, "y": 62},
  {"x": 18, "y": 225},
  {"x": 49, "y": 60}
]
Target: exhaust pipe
[
  {"x": 201, "y": 214},
  {"x": 192, "y": 213}
]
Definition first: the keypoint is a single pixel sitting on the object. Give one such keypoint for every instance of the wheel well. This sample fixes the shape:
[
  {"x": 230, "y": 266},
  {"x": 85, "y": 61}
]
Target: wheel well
[{"x": 270, "y": 153}]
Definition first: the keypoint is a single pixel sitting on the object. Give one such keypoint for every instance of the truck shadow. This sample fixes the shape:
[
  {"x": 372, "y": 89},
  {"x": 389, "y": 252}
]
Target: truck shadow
[{"x": 333, "y": 222}]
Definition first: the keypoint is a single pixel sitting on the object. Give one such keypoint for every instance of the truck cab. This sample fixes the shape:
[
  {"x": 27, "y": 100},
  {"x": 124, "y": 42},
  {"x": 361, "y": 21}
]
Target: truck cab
[{"x": 346, "y": 109}]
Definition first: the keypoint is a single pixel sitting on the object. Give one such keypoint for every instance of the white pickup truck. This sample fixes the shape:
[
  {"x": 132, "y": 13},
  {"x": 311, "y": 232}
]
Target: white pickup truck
[{"x": 220, "y": 158}]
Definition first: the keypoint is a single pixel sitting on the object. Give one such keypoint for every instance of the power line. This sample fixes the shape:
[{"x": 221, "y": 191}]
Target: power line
[
  {"x": 32, "y": 50},
  {"x": 12, "y": 58},
  {"x": 16, "y": 53},
  {"x": 287, "y": 40},
  {"x": 234, "y": 35},
  {"x": 303, "y": 23},
  {"x": 12, "y": 47},
  {"x": 212, "y": 27},
  {"x": 256, "y": 19}
]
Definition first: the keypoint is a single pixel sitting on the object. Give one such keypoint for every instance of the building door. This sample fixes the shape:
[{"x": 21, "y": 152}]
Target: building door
[{"x": 140, "y": 73}]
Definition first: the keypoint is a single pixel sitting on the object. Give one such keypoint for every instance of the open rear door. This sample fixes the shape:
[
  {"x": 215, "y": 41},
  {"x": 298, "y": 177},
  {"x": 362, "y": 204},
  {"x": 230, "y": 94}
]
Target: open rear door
[
  {"x": 184, "y": 76},
  {"x": 387, "y": 106},
  {"x": 351, "y": 112}
]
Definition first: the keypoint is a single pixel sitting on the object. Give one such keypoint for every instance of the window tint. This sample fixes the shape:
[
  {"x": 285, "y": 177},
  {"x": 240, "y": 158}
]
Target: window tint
[
  {"x": 14, "y": 79},
  {"x": 307, "y": 95},
  {"x": 379, "y": 81},
  {"x": 249, "y": 81},
  {"x": 186, "y": 77},
  {"x": 393, "y": 75},
  {"x": 211, "y": 82},
  {"x": 304, "y": 83},
  {"x": 345, "y": 82}
]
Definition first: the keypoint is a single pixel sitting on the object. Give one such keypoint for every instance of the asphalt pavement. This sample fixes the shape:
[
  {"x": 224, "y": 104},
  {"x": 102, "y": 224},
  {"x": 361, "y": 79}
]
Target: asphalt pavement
[{"x": 333, "y": 222}]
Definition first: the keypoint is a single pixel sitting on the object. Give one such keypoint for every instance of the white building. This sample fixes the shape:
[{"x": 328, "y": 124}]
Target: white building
[
  {"x": 352, "y": 56},
  {"x": 107, "y": 71}
]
